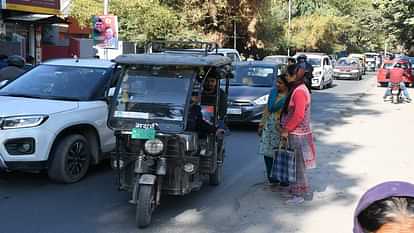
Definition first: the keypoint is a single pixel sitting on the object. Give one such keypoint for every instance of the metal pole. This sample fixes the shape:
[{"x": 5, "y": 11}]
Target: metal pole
[
  {"x": 235, "y": 36},
  {"x": 385, "y": 49},
  {"x": 106, "y": 3},
  {"x": 290, "y": 16}
]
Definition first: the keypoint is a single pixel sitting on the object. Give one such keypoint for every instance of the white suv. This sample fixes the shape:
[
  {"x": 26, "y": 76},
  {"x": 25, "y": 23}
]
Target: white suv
[
  {"x": 322, "y": 69},
  {"x": 54, "y": 117},
  {"x": 231, "y": 53}
]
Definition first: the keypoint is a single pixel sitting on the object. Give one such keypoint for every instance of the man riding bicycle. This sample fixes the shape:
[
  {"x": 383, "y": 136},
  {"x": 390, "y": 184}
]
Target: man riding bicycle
[{"x": 396, "y": 76}]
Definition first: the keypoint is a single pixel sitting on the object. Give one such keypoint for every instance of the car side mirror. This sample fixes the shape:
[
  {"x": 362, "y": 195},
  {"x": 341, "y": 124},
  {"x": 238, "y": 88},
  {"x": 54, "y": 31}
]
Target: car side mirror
[{"x": 3, "y": 83}]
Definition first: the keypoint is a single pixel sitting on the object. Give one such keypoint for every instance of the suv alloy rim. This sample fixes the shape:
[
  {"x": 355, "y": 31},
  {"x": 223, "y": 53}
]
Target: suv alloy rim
[{"x": 76, "y": 159}]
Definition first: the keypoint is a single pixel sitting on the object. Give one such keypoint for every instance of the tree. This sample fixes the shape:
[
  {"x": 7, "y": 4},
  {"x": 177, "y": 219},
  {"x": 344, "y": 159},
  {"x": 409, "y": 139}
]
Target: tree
[
  {"x": 398, "y": 18},
  {"x": 139, "y": 20}
]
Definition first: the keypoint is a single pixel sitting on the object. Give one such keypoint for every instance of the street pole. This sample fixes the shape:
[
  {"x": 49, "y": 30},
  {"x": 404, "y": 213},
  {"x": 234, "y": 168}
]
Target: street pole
[
  {"x": 235, "y": 36},
  {"x": 385, "y": 49},
  {"x": 106, "y": 3},
  {"x": 290, "y": 15}
]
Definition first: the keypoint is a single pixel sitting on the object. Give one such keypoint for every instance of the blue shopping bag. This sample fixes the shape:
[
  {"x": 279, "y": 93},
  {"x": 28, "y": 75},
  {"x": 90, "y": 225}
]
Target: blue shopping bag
[{"x": 284, "y": 163}]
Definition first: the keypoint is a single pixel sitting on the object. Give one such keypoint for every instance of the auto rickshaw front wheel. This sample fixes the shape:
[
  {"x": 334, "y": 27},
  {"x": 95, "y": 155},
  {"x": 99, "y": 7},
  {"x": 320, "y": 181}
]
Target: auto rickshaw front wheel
[
  {"x": 217, "y": 176},
  {"x": 145, "y": 205}
]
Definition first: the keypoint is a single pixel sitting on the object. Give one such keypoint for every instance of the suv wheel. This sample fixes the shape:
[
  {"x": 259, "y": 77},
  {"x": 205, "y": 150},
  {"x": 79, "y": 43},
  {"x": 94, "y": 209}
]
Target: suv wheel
[
  {"x": 70, "y": 159},
  {"x": 322, "y": 85}
]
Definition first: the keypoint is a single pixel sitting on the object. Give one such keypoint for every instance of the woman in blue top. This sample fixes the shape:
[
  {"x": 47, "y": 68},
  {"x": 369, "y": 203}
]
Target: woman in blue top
[{"x": 269, "y": 126}]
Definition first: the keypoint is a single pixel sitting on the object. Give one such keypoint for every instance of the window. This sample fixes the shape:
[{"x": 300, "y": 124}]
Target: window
[{"x": 233, "y": 56}]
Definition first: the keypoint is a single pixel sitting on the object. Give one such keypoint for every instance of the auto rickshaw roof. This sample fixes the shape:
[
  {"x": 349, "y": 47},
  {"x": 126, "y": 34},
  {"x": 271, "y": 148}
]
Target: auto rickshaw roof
[{"x": 173, "y": 59}]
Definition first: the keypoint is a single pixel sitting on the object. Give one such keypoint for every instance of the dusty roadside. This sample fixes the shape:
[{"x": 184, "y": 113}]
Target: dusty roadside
[{"x": 369, "y": 144}]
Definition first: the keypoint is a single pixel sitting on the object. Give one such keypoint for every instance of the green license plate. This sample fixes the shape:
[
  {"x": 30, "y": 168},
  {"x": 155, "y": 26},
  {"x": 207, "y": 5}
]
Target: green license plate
[{"x": 138, "y": 133}]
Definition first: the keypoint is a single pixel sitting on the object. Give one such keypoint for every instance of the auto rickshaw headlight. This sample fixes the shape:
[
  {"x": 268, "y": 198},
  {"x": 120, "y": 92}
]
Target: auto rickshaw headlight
[
  {"x": 189, "y": 167},
  {"x": 154, "y": 146}
]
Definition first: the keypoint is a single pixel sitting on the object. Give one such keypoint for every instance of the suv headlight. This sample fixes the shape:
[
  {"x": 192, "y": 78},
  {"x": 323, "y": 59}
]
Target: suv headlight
[
  {"x": 154, "y": 146},
  {"x": 18, "y": 122},
  {"x": 262, "y": 100}
]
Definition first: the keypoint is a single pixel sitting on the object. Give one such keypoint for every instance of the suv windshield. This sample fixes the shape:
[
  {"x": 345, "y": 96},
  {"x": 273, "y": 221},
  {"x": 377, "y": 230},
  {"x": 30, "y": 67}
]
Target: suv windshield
[
  {"x": 153, "y": 93},
  {"x": 277, "y": 60},
  {"x": 253, "y": 76},
  {"x": 346, "y": 62},
  {"x": 315, "y": 62},
  {"x": 59, "y": 82}
]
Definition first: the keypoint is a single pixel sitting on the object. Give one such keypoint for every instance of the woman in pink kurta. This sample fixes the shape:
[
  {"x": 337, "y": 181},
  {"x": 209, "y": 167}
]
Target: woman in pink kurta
[{"x": 296, "y": 127}]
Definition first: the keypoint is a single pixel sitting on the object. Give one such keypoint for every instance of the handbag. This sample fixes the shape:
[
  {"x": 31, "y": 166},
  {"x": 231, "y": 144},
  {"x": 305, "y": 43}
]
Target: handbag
[{"x": 284, "y": 164}]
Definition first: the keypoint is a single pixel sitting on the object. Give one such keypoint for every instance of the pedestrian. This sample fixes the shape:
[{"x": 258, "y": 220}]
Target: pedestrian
[
  {"x": 291, "y": 61},
  {"x": 296, "y": 129},
  {"x": 3, "y": 61},
  {"x": 14, "y": 69},
  {"x": 386, "y": 208},
  {"x": 30, "y": 62},
  {"x": 269, "y": 126},
  {"x": 302, "y": 61}
]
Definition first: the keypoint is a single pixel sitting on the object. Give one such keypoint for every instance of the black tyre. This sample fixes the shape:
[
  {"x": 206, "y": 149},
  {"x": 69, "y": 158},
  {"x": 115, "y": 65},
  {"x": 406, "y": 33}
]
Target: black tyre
[
  {"x": 145, "y": 205},
  {"x": 395, "y": 99},
  {"x": 70, "y": 159},
  {"x": 330, "y": 84},
  {"x": 217, "y": 177},
  {"x": 322, "y": 85}
]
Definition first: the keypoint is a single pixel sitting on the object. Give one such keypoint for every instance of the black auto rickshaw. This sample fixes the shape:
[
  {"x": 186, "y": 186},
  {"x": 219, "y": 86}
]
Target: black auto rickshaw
[{"x": 156, "y": 153}]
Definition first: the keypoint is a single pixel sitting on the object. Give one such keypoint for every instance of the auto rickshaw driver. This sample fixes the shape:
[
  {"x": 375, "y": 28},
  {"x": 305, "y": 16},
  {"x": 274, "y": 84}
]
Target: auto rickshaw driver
[{"x": 196, "y": 121}]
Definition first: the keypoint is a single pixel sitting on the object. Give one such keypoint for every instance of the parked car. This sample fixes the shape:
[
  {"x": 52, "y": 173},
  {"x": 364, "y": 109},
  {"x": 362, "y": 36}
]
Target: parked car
[
  {"x": 278, "y": 59},
  {"x": 361, "y": 58},
  {"x": 388, "y": 64},
  {"x": 233, "y": 54},
  {"x": 371, "y": 61},
  {"x": 248, "y": 92},
  {"x": 322, "y": 69},
  {"x": 348, "y": 69},
  {"x": 411, "y": 59},
  {"x": 54, "y": 117}
]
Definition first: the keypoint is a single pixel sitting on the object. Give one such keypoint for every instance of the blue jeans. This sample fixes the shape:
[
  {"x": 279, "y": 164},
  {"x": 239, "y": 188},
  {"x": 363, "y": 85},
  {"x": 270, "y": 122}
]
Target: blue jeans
[{"x": 402, "y": 87}]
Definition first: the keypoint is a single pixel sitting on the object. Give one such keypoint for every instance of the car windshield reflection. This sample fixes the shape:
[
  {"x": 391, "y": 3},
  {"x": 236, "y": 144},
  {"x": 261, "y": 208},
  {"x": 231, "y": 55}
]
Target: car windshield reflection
[{"x": 58, "y": 82}]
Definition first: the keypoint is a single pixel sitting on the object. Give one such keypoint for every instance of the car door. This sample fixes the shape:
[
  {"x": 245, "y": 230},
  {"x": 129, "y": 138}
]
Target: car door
[
  {"x": 329, "y": 69},
  {"x": 325, "y": 69}
]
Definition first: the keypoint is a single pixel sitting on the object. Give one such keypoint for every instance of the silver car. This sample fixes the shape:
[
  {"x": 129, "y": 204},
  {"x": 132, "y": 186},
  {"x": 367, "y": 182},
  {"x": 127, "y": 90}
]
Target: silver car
[{"x": 54, "y": 118}]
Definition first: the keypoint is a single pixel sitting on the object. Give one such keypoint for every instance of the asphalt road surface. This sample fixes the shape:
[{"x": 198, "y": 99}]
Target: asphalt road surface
[{"x": 31, "y": 203}]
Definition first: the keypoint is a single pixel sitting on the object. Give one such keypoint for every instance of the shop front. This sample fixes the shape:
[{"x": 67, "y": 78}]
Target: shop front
[{"x": 29, "y": 24}]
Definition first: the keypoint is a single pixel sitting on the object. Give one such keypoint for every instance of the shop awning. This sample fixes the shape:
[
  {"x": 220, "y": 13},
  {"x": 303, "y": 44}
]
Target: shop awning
[{"x": 36, "y": 18}]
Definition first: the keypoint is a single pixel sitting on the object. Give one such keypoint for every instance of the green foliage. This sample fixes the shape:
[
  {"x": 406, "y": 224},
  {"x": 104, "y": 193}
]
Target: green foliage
[
  {"x": 139, "y": 20},
  {"x": 398, "y": 22},
  {"x": 262, "y": 25}
]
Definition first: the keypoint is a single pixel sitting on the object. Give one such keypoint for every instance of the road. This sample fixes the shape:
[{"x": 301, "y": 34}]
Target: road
[{"x": 31, "y": 203}]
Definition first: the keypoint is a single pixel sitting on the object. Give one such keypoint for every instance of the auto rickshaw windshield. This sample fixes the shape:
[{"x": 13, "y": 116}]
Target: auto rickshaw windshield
[{"x": 157, "y": 93}]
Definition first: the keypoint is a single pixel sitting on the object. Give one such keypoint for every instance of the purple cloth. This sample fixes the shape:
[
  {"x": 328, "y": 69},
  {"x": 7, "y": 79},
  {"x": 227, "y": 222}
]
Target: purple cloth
[{"x": 379, "y": 192}]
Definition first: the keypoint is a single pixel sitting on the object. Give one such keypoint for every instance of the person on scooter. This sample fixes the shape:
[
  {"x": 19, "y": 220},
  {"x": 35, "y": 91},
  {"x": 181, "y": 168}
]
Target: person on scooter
[{"x": 396, "y": 76}]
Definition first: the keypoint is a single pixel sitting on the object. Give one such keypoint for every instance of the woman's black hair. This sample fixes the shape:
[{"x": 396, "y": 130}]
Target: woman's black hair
[
  {"x": 385, "y": 211},
  {"x": 291, "y": 70},
  {"x": 283, "y": 78}
]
